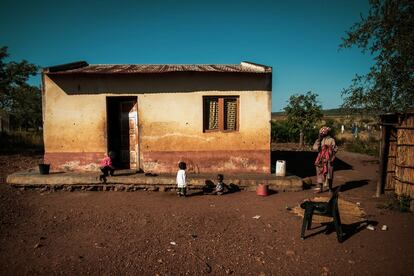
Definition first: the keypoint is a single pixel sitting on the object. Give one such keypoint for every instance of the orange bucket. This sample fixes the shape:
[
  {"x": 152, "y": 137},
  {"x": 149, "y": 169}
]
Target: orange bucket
[{"x": 262, "y": 190}]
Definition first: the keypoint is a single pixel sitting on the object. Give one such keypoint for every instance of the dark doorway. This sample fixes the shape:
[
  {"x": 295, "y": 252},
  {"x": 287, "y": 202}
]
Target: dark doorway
[{"x": 122, "y": 131}]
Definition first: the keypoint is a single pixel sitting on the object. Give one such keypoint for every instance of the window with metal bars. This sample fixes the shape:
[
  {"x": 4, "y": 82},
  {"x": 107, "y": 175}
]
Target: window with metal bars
[{"x": 221, "y": 113}]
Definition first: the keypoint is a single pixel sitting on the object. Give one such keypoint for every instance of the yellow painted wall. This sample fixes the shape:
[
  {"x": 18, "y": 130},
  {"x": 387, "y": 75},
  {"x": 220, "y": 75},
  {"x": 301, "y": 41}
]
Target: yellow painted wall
[
  {"x": 73, "y": 123},
  {"x": 174, "y": 122}
]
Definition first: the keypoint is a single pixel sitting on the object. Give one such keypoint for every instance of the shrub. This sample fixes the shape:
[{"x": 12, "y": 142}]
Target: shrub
[
  {"x": 311, "y": 135},
  {"x": 17, "y": 141},
  {"x": 370, "y": 147},
  {"x": 283, "y": 133},
  {"x": 332, "y": 125},
  {"x": 398, "y": 203}
]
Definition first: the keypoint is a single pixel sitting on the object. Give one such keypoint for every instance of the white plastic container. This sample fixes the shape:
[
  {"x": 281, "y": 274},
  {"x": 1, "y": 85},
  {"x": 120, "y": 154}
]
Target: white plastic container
[{"x": 280, "y": 168}]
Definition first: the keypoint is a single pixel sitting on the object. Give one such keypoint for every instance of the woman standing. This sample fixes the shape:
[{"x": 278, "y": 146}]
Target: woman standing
[{"x": 327, "y": 148}]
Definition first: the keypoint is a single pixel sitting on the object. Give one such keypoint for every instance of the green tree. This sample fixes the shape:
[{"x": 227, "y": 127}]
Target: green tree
[
  {"x": 303, "y": 112},
  {"x": 388, "y": 34},
  {"x": 17, "y": 97},
  {"x": 27, "y": 107},
  {"x": 282, "y": 132}
]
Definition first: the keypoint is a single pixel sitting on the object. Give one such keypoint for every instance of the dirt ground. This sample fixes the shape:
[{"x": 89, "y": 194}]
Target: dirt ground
[{"x": 157, "y": 233}]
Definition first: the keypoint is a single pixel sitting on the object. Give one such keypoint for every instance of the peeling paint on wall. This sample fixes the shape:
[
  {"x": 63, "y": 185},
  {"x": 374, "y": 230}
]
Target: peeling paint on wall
[
  {"x": 74, "y": 161},
  {"x": 209, "y": 161}
]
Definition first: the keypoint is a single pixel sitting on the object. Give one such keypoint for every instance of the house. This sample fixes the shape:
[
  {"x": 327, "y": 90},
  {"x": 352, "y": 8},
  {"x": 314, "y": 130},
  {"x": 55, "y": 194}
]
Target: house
[
  {"x": 216, "y": 118},
  {"x": 4, "y": 121}
]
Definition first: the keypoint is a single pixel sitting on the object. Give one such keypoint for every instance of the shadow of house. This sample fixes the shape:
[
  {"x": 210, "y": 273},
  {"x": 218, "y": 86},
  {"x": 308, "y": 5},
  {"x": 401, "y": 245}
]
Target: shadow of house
[{"x": 301, "y": 163}]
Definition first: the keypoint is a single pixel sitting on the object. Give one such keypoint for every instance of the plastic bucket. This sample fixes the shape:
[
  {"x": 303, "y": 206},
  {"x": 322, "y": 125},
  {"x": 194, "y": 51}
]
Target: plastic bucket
[
  {"x": 280, "y": 168},
  {"x": 44, "y": 168},
  {"x": 262, "y": 190}
]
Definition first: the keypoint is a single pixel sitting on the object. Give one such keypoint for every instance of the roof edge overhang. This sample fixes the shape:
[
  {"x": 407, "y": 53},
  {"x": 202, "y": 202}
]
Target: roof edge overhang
[
  {"x": 82, "y": 67},
  {"x": 65, "y": 67}
]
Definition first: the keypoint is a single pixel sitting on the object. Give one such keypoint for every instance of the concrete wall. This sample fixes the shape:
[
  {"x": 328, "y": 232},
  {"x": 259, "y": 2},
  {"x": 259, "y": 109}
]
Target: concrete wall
[
  {"x": 170, "y": 123},
  {"x": 167, "y": 137},
  {"x": 74, "y": 128}
]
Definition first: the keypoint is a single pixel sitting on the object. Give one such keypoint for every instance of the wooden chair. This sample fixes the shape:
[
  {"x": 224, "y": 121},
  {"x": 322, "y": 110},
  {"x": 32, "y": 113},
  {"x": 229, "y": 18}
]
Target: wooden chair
[{"x": 326, "y": 209}]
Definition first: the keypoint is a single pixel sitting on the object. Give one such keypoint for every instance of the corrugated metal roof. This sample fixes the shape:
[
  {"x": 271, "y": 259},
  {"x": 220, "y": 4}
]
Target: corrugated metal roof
[{"x": 85, "y": 68}]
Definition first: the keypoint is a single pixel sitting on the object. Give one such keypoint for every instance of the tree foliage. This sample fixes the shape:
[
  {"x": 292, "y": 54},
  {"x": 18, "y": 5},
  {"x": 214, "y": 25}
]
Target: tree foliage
[
  {"x": 303, "y": 112},
  {"x": 27, "y": 107},
  {"x": 388, "y": 34},
  {"x": 21, "y": 100},
  {"x": 281, "y": 132}
]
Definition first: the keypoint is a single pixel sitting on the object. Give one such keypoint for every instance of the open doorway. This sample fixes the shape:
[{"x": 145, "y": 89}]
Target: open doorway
[{"x": 122, "y": 124}]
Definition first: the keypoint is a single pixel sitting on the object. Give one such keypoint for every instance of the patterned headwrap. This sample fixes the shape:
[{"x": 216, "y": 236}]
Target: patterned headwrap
[{"x": 324, "y": 130}]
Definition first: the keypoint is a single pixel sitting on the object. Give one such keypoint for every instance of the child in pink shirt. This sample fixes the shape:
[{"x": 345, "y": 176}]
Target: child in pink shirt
[{"x": 107, "y": 167}]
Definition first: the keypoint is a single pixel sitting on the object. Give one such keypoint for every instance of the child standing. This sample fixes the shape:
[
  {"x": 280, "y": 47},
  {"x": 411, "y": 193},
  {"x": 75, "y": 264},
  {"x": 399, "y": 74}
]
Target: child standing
[
  {"x": 107, "y": 167},
  {"x": 181, "y": 179}
]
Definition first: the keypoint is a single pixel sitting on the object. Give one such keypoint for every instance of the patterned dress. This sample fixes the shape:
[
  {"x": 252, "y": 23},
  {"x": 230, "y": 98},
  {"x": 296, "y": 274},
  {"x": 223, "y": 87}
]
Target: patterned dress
[{"x": 324, "y": 170}]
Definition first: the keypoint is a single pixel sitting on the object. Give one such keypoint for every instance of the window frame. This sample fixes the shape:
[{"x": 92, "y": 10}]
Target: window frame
[{"x": 221, "y": 114}]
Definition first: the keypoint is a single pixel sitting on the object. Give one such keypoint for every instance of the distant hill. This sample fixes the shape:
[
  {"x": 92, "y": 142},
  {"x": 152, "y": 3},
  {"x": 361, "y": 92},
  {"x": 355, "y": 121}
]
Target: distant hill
[
  {"x": 333, "y": 112},
  {"x": 326, "y": 112}
]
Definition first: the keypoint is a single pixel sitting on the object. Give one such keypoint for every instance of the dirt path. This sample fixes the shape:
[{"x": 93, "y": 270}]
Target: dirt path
[{"x": 150, "y": 233}]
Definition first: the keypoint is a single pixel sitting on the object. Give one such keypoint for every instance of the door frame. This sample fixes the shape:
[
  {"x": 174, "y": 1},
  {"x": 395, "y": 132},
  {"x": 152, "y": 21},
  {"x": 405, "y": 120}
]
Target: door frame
[{"x": 119, "y": 99}]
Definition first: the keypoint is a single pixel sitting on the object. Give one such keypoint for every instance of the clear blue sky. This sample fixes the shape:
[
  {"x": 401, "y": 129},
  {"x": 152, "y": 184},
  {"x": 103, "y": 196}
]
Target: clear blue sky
[{"x": 299, "y": 39}]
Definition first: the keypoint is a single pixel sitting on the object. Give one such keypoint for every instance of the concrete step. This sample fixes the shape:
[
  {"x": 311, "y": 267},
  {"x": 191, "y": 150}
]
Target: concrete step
[{"x": 131, "y": 181}]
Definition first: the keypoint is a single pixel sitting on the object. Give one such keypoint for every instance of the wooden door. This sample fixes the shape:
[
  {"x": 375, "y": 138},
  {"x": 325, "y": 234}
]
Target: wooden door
[{"x": 129, "y": 133}]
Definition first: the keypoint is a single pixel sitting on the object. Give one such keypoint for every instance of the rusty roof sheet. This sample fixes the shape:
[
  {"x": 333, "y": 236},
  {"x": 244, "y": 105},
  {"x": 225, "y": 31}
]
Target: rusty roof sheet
[{"x": 85, "y": 68}]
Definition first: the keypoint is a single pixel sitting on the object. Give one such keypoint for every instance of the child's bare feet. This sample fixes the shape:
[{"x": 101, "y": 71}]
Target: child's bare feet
[{"x": 317, "y": 191}]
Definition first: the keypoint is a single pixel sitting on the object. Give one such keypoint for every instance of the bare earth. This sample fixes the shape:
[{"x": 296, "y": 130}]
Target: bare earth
[{"x": 150, "y": 233}]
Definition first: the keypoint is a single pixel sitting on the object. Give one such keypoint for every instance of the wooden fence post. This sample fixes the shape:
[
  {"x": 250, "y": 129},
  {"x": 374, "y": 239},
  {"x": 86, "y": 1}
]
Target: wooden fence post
[{"x": 383, "y": 162}]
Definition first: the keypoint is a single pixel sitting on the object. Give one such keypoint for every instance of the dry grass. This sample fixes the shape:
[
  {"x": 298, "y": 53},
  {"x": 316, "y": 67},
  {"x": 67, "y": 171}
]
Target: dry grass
[{"x": 350, "y": 212}]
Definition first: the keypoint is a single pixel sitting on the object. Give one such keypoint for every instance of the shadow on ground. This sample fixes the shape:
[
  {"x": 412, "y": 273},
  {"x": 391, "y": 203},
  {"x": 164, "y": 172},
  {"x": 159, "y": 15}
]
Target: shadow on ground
[
  {"x": 208, "y": 189},
  {"x": 301, "y": 163},
  {"x": 353, "y": 184},
  {"x": 354, "y": 228},
  {"x": 349, "y": 230}
]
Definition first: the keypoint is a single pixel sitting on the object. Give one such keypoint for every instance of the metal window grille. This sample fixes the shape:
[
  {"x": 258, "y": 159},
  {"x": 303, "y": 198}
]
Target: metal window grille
[
  {"x": 230, "y": 113},
  {"x": 213, "y": 113}
]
